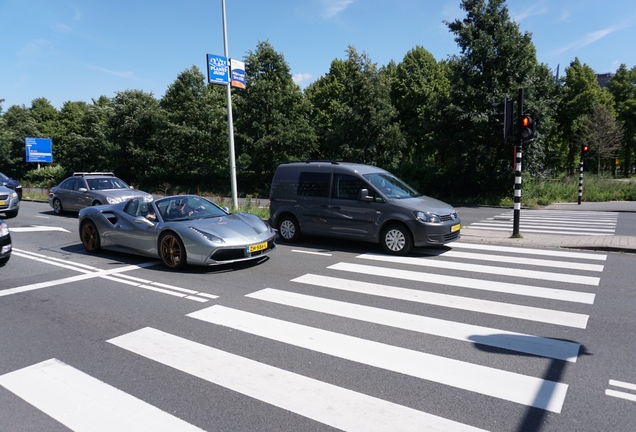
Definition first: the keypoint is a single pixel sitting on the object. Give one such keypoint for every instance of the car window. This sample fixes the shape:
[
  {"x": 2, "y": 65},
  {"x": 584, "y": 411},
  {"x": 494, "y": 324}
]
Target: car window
[
  {"x": 347, "y": 186},
  {"x": 314, "y": 184},
  {"x": 132, "y": 208},
  {"x": 187, "y": 208},
  {"x": 68, "y": 183},
  {"x": 106, "y": 183},
  {"x": 79, "y": 183},
  {"x": 391, "y": 186}
]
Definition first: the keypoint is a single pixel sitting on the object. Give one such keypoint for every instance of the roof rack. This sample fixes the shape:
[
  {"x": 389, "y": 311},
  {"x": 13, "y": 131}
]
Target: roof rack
[
  {"x": 313, "y": 161},
  {"x": 82, "y": 174}
]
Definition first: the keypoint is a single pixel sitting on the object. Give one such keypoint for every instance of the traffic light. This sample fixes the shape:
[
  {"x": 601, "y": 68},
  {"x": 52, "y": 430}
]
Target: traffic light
[
  {"x": 585, "y": 151},
  {"x": 504, "y": 118},
  {"x": 526, "y": 127}
]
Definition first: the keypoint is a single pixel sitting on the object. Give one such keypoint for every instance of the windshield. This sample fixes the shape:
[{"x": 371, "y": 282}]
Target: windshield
[
  {"x": 106, "y": 183},
  {"x": 187, "y": 208},
  {"x": 391, "y": 186}
]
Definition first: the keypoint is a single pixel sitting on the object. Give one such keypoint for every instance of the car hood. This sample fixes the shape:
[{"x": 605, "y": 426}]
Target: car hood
[
  {"x": 427, "y": 204},
  {"x": 234, "y": 226},
  {"x": 122, "y": 193}
]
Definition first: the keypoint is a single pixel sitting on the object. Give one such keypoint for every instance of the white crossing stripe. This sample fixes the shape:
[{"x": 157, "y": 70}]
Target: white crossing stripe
[
  {"x": 323, "y": 402},
  {"x": 549, "y": 228},
  {"x": 528, "y": 251},
  {"x": 479, "y": 284},
  {"x": 491, "y": 270},
  {"x": 513, "y": 260},
  {"x": 537, "y": 231},
  {"x": 85, "y": 404},
  {"x": 510, "y": 386},
  {"x": 621, "y": 395},
  {"x": 450, "y": 301},
  {"x": 533, "y": 345}
]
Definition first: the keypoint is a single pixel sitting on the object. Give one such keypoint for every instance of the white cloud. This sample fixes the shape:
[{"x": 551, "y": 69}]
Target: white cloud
[
  {"x": 331, "y": 8},
  {"x": 301, "y": 77},
  {"x": 586, "y": 40},
  {"x": 534, "y": 10}
]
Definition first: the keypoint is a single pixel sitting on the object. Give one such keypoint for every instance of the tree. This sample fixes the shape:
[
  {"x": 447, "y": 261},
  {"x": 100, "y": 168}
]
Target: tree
[
  {"x": 353, "y": 114},
  {"x": 622, "y": 86},
  {"x": 193, "y": 144},
  {"x": 19, "y": 124},
  {"x": 136, "y": 118},
  {"x": 603, "y": 134},
  {"x": 272, "y": 119},
  {"x": 419, "y": 82},
  {"x": 495, "y": 60},
  {"x": 581, "y": 93}
]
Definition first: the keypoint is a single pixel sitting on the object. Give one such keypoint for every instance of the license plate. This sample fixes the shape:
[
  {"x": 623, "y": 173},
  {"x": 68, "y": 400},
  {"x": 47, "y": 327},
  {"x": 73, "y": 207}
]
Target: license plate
[
  {"x": 258, "y": 247},
  {"x": 455, "y": 228},
  {"x": 2, "y": 203}
]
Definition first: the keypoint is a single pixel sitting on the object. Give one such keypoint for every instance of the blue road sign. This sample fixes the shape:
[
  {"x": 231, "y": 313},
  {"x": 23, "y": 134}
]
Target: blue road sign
[
  {"x": 39, "y": 150},
  {"x": 218, "y": 69}
]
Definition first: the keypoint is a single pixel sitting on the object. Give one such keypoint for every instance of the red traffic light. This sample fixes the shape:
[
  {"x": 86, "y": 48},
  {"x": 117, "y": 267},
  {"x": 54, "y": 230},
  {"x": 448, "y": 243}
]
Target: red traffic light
[
  {"x": 585, "y": 150},
  {"x": 526, "y": 127}
]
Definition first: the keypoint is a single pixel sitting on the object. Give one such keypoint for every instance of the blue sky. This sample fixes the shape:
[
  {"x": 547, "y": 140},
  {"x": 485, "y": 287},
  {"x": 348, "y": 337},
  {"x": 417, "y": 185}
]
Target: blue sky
[{"x": 79, "y": 50}]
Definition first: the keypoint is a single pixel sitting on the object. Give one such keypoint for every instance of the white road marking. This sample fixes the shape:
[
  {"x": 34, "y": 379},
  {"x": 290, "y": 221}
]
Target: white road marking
[
  {"x": 537, "y": 231},
  {"x": 478, "y": 284},
  {"x": 117, "y": 277},
  {"x": 325, "y": 403},
  {"x": 38, "y": 229},
  {"x": 622, "y": 384},
  {"x": 510, "y": 386},
  {"x": 528, "y": 251},
  {"x": 621, "y": 395},
  {"x": 567, "y": 319},
  {"x": 85, "y": 404},
  {"x": 311, "y": 252},
  {"x": 491, "y": 270},
  {"x": 533, "y": 345},
  {"x": 514, "y": 260}
]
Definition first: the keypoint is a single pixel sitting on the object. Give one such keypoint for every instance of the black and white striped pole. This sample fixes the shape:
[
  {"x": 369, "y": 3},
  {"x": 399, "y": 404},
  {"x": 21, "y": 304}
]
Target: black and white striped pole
[
  {"x": 580, "y": 180},
  {"x": 517, "y": 197}
]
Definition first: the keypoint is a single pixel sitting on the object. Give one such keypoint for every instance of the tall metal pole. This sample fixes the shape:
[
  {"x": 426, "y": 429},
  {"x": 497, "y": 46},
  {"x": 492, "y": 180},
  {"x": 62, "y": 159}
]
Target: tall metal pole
[
  {"x": 517, "y": 208},
  {"x": 230, "y": 124},
  {"x": 580, "y": 179}
]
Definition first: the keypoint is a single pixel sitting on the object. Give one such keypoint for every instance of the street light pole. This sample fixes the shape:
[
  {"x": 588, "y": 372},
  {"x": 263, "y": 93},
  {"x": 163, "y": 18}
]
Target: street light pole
[{"x": 230, "y": 124}]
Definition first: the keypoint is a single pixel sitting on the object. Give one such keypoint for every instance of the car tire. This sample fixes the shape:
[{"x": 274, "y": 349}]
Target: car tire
[
  {"x": 11, "y": 214},
  {"x": 57, "y": 207},
  {"x": 172, "y": 251},
  {"x": 396, "y": 239},
  {"x": 288, "y": 229},
  {"x": 90, "y": 237}
]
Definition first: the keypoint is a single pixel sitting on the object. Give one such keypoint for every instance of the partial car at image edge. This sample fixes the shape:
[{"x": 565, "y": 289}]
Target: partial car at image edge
[
  {"x": 5, "y": 243},
  {"x": 9, "y": 202}
]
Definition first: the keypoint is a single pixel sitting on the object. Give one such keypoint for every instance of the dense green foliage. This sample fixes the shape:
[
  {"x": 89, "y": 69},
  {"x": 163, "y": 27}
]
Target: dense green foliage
[{"x": 427, "y": 120}]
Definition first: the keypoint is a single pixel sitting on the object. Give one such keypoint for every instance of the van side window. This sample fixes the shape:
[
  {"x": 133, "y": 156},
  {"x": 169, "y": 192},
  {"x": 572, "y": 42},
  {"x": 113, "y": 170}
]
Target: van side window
[
  {"x": 348, "y": 187},
  {"x": 314, "y": 184}
]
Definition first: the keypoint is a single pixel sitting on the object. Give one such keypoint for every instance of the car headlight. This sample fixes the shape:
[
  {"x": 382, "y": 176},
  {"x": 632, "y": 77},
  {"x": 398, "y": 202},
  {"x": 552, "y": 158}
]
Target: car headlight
[
  {"x": 113, "y": 200},
  {"x": 148, "y": 198},
  {"x": 14, "y": 195},
  {"x": 427, "y": 217},
  {"x": 213, "y": 238},
  {"x": 4, "y": 229}
]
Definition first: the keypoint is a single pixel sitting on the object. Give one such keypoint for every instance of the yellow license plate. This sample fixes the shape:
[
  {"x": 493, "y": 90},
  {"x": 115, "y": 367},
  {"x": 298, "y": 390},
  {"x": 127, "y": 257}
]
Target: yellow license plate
[
  {"x": 455, "y": 228},
  {"x": 2, "y": 203},
  {"x": 258, "y": 247}
]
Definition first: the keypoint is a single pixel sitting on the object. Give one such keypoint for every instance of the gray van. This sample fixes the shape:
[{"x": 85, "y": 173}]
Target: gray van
[{"x": 355, "y": 201}]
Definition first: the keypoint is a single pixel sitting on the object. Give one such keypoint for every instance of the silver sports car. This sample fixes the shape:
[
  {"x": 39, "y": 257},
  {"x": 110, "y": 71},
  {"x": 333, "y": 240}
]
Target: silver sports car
[{"x": 181, "y": 229}]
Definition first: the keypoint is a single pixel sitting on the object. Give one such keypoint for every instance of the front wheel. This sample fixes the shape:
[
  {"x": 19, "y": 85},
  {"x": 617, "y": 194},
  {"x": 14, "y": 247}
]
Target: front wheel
[
  {"x": 172, "y": 251},
  {"x": 288, "y": 229},
  {"x": 11, "y": 214},
  {"x": 396, "y": 240},
  {"x": 90, "y": 237}
]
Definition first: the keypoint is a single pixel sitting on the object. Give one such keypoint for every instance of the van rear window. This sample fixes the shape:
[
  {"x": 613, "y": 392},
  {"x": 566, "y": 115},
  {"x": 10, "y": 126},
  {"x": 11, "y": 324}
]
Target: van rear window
[{"x": 314, "y": 184}]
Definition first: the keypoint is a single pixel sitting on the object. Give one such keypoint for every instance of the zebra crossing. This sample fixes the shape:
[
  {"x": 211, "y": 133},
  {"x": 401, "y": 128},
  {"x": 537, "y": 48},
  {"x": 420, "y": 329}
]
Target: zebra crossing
[
  {"x": 452, "y": 279},
  {"x": 553, "y": 222}
]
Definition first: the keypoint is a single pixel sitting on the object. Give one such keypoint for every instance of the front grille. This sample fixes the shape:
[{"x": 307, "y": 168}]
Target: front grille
[
  {"x": 444, "y": 238},
  {"x": 228, "y": 254},
  {"x": 4, "y": 197},
  {"x": 449, "y": 217}
]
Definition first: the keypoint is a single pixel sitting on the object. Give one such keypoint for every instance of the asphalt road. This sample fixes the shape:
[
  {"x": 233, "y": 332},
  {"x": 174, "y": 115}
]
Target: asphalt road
[{"x": 324, "y": 335}]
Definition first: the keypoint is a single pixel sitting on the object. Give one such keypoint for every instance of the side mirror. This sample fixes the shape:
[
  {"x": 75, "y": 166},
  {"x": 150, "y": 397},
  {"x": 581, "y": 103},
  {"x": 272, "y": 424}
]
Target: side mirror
[
  {"x": 143, "y": 220},
  {"x": 363, "y": 195},
  {"x": 226, "y": 209},
  {"x": 82, "y": 190}
]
